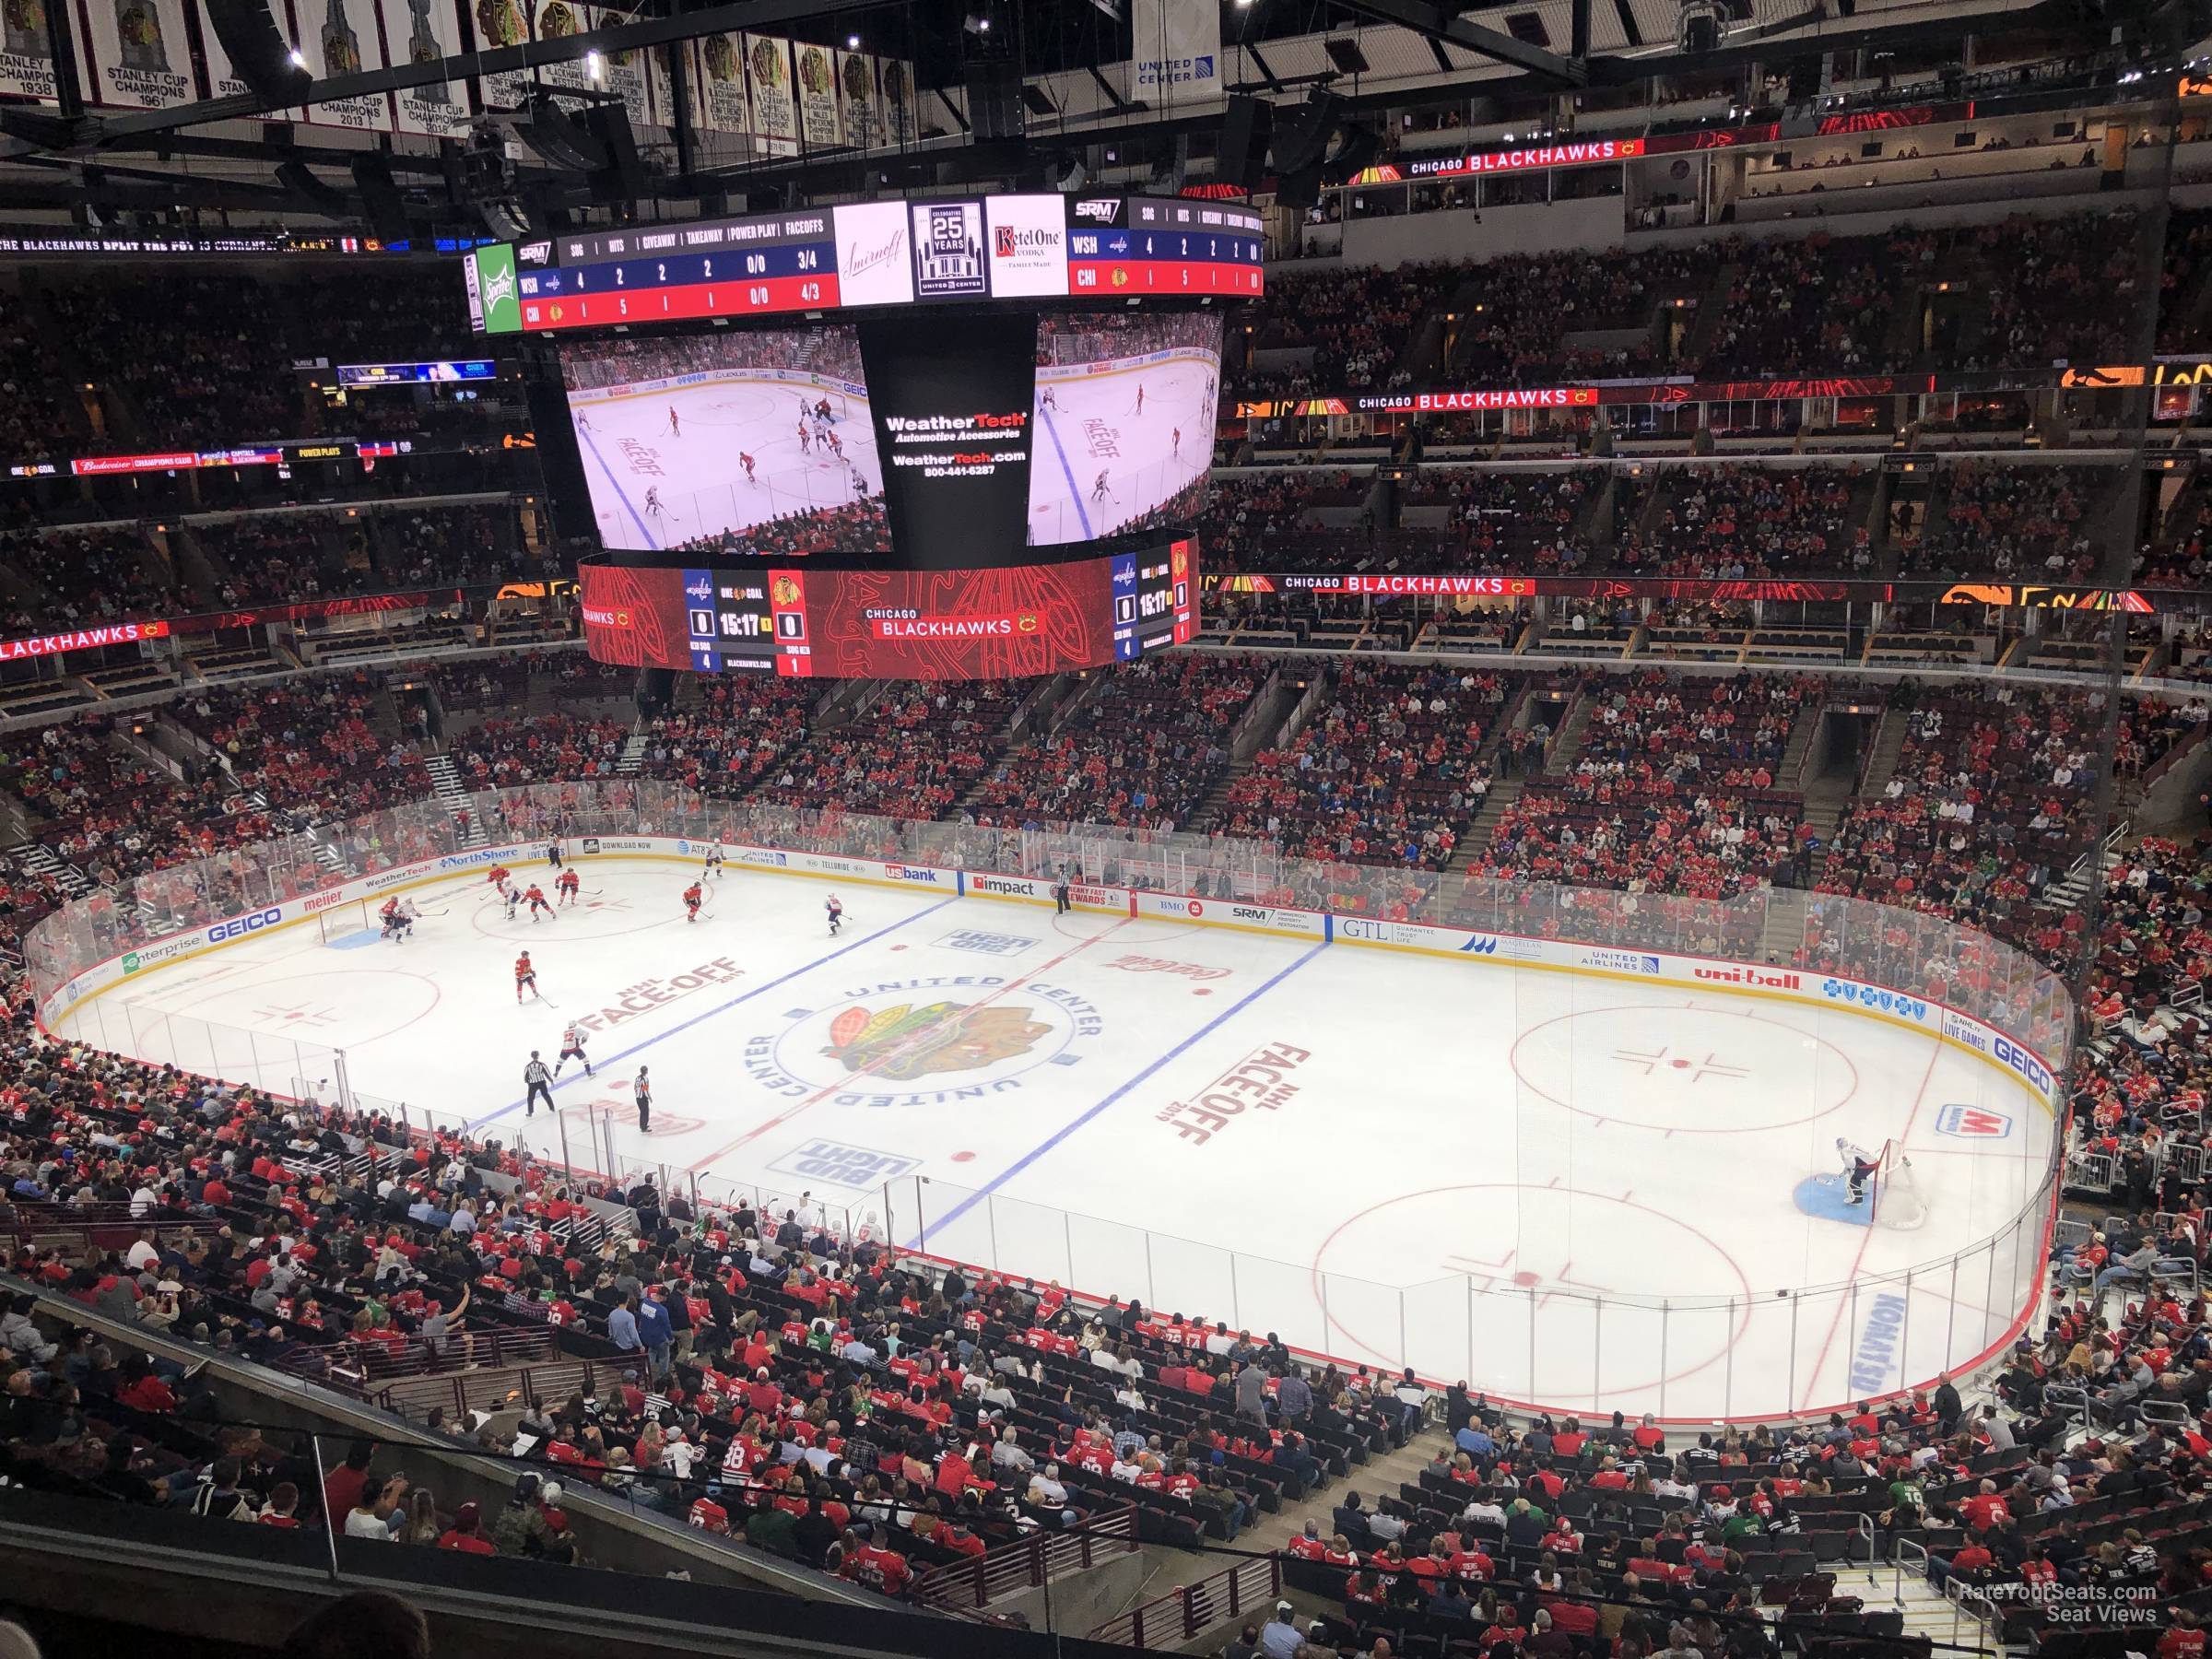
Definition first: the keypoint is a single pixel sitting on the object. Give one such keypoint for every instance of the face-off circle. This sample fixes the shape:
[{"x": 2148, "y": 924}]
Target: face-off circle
[
  {"x": 322, "y": 1007},
  {"x": 1505, "y": 1254},
  {"x": 1684, "y": 1070}
]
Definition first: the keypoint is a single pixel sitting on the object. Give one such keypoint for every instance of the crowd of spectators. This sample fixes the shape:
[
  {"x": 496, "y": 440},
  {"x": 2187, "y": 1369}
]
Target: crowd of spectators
[
  {"x": 913, "y": 754},
  {"x": 740, "y": 728},
  {"x": 859, "y": 527},
  {"x": 770, "y": 1375},
  {"x": 1256, "y": 521},
  {"x": 1143, "y": 749},
  {"x": 538, "y": 749},
  {"x": 282, "y": 556},
  {"x": 1354, "y": 322},
  {"x": 1514, "y": 333},
  {"x": 2009, "y": 522},
  {"x": 2060, "y": 290},
  {"x": 466, "y": 544},
  {"x": 1814, "y": 305},
  {"x": 1674, "y": 788},
  {"x": 78, "y": 771},
  {"x": 307, "y": 746},
  {"x": 1738, "y": 519},
  {"x": 39, "y": 409},
  {"x": 1993, "y": 797},
  {"x": 205, "y": 359},
  {"x": 92, "y": 575},
  {"x": 1386, "y": 773},
  {"x": 1497, "y": 522}
]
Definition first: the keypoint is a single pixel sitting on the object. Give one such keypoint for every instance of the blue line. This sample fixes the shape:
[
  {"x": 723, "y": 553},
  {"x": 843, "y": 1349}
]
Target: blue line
[
  {"x": 615, "y": 485},
  {"x": 639, "y": 1047},
  {"x": 1207, "y": 1029},
  {"x": 1075, "y": 496}
]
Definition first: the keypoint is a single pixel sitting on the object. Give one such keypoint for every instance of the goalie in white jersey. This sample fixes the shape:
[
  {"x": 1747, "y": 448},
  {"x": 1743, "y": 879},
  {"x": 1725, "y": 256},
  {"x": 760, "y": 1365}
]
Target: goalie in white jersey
[{"x": 1858, "y": 1164}]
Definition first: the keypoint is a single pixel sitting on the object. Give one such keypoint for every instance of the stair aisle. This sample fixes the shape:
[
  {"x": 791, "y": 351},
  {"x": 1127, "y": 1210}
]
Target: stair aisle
[{"x": 445, "y": 780}]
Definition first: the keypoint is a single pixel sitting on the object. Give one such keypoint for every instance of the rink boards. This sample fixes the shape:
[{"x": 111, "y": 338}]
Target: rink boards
[{"x": 2020, "y": 1064}]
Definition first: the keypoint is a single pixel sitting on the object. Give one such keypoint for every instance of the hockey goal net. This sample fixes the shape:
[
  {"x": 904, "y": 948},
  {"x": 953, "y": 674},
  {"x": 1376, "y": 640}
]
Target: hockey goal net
[
  {"x": 1897, "y": 1199},
  {"x": 340, "y": 921}
]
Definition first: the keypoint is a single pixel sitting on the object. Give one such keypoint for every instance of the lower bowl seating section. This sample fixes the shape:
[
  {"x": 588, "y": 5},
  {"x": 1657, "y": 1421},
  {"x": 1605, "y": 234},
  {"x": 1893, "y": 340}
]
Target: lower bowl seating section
[
  {"x": 1142, "y": 749},
  {"x": 1388, "y": 772}
]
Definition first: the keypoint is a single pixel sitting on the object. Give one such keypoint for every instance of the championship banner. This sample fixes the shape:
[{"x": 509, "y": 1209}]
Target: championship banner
[
  {"x": 340, "y": 37},
  {"x": 557, "y": 20},
  {"x": 895, "y": 83},
  {"x": 223, "y": 81},
  {"x": 660, "y": 82},
  {"x": 625, "y": 71},
  {"x": 820, "y": 123},
  {"x": 718, "y": 83},
  {"x": 422, "y": 31},
  {"x": 1175, "y": 56},
  {"x": 26, "y": 59},
  {"x": 140, "y": 57},
  {"x": 863, "y": 107},
  {"x": 769, "y": 86},
  {"x": 501, "y": 23}
]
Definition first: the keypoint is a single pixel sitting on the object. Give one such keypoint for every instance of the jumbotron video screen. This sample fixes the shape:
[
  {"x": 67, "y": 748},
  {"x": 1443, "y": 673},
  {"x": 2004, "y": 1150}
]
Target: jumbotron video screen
[{"x": 862, "y": 438}]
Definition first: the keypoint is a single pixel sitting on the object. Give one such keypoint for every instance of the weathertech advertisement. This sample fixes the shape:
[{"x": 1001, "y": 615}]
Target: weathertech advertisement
[
  {"x": 950, "y": 402},
  {"x": 998, "y": 623}
]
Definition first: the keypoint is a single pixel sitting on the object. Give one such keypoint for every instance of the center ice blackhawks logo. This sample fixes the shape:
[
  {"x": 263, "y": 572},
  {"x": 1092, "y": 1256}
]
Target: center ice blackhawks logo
[
  {"x": 904, "y": 1043},
  {"x": 925, "y": 1042}
]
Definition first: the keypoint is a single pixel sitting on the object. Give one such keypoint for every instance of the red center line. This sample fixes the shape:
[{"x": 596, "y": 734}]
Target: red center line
[
  {"x": 1021, "y": 982},
  {"x": 1843, "y": 1295}
]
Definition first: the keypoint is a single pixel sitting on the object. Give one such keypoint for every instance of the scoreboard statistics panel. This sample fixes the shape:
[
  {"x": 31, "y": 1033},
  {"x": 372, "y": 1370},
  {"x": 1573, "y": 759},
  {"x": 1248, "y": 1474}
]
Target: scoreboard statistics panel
[
  {"x": 974, "y": 624},
  {"x": 871, "y": 253}
]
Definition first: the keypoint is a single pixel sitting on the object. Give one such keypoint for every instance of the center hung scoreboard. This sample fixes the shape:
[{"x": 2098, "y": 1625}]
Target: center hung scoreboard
[
  {"x": 788, "y": 470},
  {"x": 871, "y": 253}
]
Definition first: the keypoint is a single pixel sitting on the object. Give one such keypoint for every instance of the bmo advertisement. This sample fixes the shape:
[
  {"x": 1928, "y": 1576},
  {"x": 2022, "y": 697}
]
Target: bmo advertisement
[{"x": 1000, "y": 622}]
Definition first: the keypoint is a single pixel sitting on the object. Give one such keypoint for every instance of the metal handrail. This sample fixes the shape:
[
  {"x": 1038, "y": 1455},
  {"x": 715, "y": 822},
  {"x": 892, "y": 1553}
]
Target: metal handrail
[
  {"x": 1028, "y": 1562},
  {"x": 1970, "y": 1603},
  {"x": 1896, "y": 1557},
  {"x": 1188, "y": 1611}
]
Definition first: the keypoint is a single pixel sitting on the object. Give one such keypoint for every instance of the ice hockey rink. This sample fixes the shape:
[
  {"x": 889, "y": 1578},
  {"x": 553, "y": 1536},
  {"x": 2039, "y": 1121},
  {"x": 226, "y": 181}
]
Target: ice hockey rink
[
  {"x": 1572, "y": 1189},
  {"x": 694, "y": 466},
  {"x": 1093, "y": 425}
]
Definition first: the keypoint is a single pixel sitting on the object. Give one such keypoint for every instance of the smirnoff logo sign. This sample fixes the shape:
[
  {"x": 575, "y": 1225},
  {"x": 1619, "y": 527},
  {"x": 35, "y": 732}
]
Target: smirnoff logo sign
[{"x": 859, "y": 261}]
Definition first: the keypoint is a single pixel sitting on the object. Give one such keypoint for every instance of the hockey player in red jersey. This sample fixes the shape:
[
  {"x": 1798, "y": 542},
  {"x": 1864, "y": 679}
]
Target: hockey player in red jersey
[
  {"x": 535, "y": 897},
  {"x": 498, "y": 878},
  {"x": 693, "y": 896},
  {"x": 568, "y": 885},
  {"x": 525, "y": 975}
]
